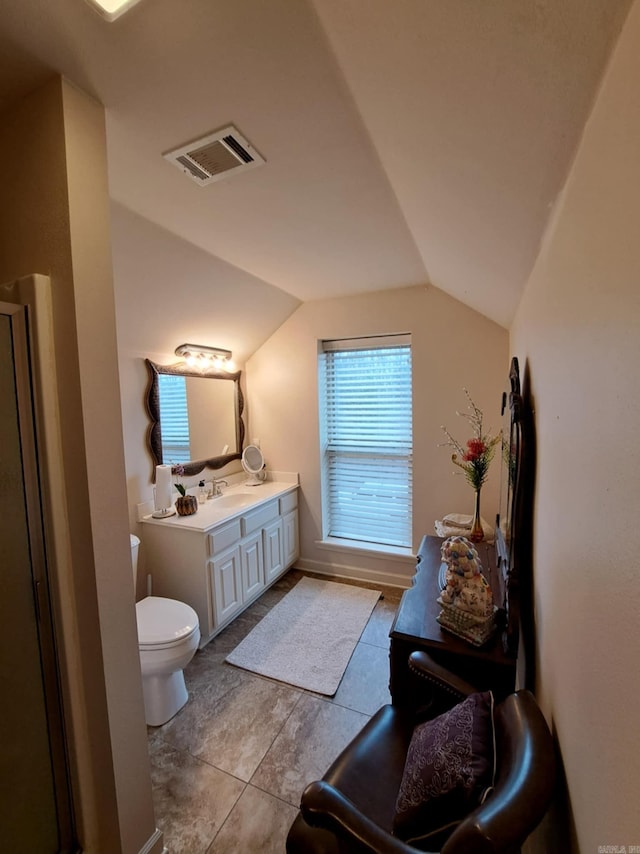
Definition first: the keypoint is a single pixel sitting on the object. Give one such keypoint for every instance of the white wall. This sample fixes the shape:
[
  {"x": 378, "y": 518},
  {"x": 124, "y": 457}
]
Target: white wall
[
  {"x": 453, "y": 347},
  {"x": 578, "y": 332}
]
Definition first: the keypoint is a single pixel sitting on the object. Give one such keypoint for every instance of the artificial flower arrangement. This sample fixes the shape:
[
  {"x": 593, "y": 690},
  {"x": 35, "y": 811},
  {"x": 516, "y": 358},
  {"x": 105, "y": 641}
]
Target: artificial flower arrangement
[
  {"x": 178, "y": 470},
  {"x": 186, "y": 505},
  {"x": 475, "y": 458}
]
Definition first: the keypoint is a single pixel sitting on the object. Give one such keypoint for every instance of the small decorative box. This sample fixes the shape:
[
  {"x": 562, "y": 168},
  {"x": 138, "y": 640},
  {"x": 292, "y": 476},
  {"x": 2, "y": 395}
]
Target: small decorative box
[{"x": 476, "y": 630}]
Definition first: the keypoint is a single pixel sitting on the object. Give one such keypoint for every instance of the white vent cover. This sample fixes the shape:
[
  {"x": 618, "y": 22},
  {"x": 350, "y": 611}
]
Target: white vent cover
[{"x": 215, "y": 156}]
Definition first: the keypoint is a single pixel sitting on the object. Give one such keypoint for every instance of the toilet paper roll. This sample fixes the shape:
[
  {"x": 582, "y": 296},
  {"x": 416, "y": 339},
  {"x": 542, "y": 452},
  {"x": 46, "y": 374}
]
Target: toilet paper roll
[{"x": 163, "y": 493}]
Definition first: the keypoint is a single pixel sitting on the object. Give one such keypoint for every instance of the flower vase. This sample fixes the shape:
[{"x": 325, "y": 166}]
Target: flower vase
[
  {"x": 477, "y": 532},
  {"x": 186, "y": 505}
]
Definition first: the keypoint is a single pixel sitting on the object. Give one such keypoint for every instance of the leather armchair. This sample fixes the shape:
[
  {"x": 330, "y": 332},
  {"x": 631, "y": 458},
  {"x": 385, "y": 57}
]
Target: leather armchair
[{"x": 351, "y": 809}]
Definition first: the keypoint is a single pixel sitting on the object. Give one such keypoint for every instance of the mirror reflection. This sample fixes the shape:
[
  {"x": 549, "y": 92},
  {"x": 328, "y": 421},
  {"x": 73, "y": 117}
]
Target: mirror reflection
[{"x": 196, "y": 417}]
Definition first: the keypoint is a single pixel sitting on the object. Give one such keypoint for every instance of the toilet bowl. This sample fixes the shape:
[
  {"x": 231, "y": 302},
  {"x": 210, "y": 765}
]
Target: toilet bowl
[{"x": 168, "y": 636}]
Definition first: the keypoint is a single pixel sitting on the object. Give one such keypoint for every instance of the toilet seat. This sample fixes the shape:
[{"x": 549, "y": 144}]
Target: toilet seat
[{"x": 163, "y": 623}]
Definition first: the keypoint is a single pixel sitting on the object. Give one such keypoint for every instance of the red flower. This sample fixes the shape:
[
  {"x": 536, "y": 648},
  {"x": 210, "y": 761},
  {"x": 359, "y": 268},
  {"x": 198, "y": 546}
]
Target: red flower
[
  {"x": 475, "y": 449},
  {"x": 474, "y": 460}
]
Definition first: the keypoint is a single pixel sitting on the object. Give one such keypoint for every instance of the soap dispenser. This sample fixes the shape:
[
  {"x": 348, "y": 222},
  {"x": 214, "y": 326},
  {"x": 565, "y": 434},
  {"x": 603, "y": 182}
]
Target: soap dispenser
[{"x": 203, "y": 493}]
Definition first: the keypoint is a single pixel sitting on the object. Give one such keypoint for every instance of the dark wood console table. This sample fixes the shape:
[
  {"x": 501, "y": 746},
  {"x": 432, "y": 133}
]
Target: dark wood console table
[{"x": 415, "y": 627}]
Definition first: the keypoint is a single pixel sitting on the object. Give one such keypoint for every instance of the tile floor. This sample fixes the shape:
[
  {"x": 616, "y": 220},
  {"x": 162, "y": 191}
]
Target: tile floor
[{"x": 229, "y": 768}]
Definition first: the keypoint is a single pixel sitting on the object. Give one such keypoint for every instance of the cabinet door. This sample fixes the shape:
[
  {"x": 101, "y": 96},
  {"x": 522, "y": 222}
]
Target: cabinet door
[
  {"x": 273, "y": 550},
  {"x": 291, "y": 542},
  {"x": 252, "y": 566},
  {"x": 226, "y": 585}
]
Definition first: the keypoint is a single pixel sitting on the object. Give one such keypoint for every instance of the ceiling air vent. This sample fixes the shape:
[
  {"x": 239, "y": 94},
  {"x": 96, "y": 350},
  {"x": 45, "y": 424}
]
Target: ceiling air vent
[{"x": 215, "y": 156}]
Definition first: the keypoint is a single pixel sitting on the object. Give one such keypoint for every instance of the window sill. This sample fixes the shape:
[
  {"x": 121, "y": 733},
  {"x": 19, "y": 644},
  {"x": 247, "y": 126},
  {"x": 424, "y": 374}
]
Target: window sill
[{"x": 367, "y": 549}]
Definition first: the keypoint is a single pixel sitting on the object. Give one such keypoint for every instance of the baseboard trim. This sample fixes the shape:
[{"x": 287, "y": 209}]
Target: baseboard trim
[
  {"x": 155, "y": 844},
  {"x": 331, "y": 570}
]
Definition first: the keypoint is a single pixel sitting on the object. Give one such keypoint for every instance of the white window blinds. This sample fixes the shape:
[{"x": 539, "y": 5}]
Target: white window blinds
[
  {"x": 366, "y": 435},
  {"x": 175, "y": 419}
]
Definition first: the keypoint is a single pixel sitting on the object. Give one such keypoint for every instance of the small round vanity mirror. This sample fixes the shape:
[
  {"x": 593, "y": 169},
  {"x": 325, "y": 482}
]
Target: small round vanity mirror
[{"x": 253, "y": 464}]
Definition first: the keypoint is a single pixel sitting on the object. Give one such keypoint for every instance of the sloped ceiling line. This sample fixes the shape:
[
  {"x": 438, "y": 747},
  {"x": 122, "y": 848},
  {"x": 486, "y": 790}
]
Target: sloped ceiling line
[{"x": 399, "y": 137}]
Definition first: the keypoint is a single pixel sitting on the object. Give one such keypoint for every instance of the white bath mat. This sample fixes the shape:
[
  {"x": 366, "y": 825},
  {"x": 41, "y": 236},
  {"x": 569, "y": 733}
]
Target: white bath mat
[{"x": 307, "y": 639}]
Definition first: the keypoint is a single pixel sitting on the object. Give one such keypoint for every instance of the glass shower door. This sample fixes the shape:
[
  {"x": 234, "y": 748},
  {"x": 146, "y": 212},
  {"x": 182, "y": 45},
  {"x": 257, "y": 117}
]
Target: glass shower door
[{"x": 35, "y": 813}]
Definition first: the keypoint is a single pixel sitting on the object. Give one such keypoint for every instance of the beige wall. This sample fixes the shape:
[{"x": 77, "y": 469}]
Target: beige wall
[
  {"x": 167, "y": 293},
  {"x": 452, "y": 346},
  {"x": 578, "y": 331},
  {"x": 54, "y": 220}
]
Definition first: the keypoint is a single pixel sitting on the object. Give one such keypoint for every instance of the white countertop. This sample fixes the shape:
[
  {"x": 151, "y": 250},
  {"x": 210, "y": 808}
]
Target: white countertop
[{"x": 240, "y": 499}]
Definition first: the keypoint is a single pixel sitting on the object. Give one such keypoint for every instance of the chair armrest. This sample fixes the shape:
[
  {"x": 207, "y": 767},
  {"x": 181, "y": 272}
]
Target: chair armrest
[
  {"x": 526, "y": 778},
  {"x": 323, "y": 806},
  {"x": 446, "y": 689}
]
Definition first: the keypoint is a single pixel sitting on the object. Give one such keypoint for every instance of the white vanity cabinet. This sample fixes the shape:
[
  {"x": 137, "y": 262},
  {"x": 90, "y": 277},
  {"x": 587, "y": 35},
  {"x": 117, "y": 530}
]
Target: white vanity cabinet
[
  {"x": 225, "y": 588},
  {"x": 291, "y": 543},
  {"x": 273, "y": 550},
  {"x": 252, "y": 566},
  {"x": 219, "y": 569}
]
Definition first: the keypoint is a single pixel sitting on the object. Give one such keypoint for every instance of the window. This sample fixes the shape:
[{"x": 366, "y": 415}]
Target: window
[
  {"x": 366, "y": 439},
  {"x": 172, "y": 391}
]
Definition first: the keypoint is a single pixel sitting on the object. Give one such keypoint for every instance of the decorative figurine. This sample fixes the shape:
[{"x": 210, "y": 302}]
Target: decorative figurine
[{"x": 467, "y": 600}]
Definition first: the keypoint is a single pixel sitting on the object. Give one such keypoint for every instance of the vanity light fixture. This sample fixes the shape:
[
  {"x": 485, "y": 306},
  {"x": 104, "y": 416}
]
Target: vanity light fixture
[
  {"x": 200, "y": 355},
  {"x": 112, "y": 9}
]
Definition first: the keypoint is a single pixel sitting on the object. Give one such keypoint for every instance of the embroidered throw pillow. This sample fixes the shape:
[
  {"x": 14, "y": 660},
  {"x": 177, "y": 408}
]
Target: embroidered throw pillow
[{"x": 449, "y": 770}]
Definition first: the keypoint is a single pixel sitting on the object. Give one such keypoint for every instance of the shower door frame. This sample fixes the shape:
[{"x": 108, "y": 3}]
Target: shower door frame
[{"x": 21, "y": 330}]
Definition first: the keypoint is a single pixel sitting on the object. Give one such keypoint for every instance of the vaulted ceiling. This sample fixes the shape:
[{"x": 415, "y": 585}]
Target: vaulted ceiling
[{"x": 406, "y": 141}]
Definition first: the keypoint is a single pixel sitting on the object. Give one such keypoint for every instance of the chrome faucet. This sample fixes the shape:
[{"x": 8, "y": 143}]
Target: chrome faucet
[{"x": 216, "y": 486}]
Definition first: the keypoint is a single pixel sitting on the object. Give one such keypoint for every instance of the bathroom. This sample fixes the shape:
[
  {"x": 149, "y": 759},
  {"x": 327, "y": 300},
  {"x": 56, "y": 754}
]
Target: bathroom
[
  {"x": 276, "y": 352},
  {"x": 278, "y": 363},
  {"x": 274, "y": 340},
  {"x": 506, "y": 217}
]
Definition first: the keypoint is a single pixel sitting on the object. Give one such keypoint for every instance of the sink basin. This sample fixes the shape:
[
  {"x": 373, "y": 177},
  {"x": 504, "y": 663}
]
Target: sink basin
[{"x": 239, "y": 499}]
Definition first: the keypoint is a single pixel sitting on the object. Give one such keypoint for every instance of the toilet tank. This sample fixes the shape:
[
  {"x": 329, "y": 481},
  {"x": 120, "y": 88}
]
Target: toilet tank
[{"x": 135, "y": 545}]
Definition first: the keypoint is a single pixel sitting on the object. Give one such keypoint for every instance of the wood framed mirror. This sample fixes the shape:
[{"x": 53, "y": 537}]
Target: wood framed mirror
[
  {"x": 195, "y": 417},
  {"x": 514, "y": 519}
]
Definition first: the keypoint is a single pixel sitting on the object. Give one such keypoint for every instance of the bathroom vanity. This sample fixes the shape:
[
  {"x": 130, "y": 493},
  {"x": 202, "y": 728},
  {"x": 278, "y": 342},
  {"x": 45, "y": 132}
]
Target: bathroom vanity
[{"x": 223, "y": 557}]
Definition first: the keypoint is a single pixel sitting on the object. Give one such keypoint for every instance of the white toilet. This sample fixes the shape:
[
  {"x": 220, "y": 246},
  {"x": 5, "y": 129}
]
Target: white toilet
[{"x": 168, "y": 636}]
